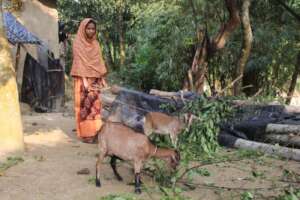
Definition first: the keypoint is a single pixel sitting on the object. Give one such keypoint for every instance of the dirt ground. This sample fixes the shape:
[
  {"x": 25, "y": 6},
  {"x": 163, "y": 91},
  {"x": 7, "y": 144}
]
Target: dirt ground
[{"x": 53, "y": 156}]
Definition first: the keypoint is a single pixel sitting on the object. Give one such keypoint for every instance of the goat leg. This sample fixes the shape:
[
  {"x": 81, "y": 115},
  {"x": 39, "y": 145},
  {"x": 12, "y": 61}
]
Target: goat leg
[
  {"x": 137, "y": 183},
  {"x": 174, "y": 139},
  {"x": 98, "y": 167},
  {"x": 113, "y": 164},
  {"x": 137, "y": 179}
]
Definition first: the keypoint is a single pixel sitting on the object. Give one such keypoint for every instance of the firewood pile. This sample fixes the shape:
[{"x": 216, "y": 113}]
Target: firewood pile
[{"x": 272, "y": 129}]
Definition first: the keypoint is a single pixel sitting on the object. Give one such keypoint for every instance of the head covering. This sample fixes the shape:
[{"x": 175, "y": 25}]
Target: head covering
[{"x": 87, "y": 55}]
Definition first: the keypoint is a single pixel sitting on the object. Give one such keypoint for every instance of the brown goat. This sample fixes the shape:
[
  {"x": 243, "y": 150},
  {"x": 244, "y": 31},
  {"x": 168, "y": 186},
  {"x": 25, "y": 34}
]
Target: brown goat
[
  {"x": 160, "y": 123},
  {"x": 119, "y": 141}
]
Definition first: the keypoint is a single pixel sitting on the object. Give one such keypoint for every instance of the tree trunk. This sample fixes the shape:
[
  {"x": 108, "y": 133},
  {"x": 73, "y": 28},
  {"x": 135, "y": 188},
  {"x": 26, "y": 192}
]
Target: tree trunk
[
  {"x": 108, "y": 55},
  {"x": 294, "y": 80},
  {"x": 11, "y": 134},
  {"x": 246, "y": 49},
  {"x": 194, "y": 12},
  {"x": 196, "y": 75},
  {"x": 121, "y": 31},
  {"x": 226, "y": 30},
  {"x": 115, "y": 50}
]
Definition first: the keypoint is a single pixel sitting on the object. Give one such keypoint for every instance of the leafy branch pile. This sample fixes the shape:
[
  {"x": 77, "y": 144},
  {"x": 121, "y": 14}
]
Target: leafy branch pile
[
  {"x": 198, "y": 142},
  {"x": 201, "y": 137}
]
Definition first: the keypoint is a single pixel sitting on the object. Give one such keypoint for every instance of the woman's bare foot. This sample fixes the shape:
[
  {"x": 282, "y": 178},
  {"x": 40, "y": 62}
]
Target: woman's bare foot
[{"x": 89, "y": 140}]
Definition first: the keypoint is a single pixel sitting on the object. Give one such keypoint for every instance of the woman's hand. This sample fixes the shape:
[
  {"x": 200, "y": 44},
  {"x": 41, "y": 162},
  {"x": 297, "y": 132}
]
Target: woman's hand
[
  {"x": 85, "y": 83},
  {"x": 103, "y": 82}
]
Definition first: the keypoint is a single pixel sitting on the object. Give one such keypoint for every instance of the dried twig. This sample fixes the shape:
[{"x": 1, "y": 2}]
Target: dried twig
[
  {"x": 230, "y": 188},
  {"x": 205, "y": 164}
]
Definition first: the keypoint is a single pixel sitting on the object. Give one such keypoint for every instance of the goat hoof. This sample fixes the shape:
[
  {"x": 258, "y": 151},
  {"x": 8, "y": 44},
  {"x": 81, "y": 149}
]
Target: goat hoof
[
  {"x": 138, "y": 190},
  {"x": 98, "y": 184}
]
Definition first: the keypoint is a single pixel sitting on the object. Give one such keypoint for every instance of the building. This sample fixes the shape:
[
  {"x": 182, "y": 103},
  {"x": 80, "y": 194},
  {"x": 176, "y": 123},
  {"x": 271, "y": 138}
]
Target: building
[{"x": 32, "y": 31}]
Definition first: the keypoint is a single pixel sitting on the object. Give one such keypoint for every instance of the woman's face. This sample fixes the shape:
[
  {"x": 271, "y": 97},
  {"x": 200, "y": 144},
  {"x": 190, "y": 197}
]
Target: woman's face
[{"x": 90, "y": 30}]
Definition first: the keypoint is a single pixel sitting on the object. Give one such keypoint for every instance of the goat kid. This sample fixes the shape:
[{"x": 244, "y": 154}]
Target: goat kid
[
  {"x": 119, "y": 141},
  {"x": 160, "y": 123}
]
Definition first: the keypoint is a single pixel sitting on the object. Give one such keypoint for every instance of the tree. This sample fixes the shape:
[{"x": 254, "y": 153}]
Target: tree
[
  {"x": 293, "y": 81},
  {"x": 11, "y": 133},
  {"x": 121, "y": 30},
  {"x": 170, "y": 43},
  {"x": 209, "y": 47},
  {"x": 246, "y": 48}
]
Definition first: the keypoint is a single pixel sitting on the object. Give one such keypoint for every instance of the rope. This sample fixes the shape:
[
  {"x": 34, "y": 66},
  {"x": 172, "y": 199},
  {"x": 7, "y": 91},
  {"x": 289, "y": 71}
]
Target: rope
[{"x": 132, "y": 106}]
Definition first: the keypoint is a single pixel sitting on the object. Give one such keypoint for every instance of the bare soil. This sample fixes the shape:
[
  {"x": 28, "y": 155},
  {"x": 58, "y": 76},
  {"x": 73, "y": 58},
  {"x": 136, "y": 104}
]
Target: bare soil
[{"x": 53, "y": 156}]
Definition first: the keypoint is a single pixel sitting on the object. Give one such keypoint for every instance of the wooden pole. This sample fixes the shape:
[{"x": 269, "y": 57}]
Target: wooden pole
[{"x": 17, "y": 57}]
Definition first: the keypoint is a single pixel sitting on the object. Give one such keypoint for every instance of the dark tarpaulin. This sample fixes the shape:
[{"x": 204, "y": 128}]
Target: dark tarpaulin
[
  {"x": 16, "y": 32},
  {"x": 131, "y": 106}
]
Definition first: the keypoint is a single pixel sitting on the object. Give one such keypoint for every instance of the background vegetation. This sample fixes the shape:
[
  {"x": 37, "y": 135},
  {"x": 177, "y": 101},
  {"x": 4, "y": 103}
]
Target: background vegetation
[{"x": 151, "y": 44}]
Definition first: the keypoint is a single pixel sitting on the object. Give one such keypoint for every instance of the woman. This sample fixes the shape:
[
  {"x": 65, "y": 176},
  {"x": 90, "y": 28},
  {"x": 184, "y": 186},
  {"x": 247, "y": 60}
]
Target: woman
[{"x": 88, "y": 70}]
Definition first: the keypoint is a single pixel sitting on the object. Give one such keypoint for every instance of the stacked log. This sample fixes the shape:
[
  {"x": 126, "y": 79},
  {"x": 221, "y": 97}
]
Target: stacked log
[
  {"x": 283, "y": 134},
  {"x": 271, "y": 129},
  {"x": 276, "y": 124},
  {"x": 232, "y": 141},
  {"x": 272, "y": 124}
]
